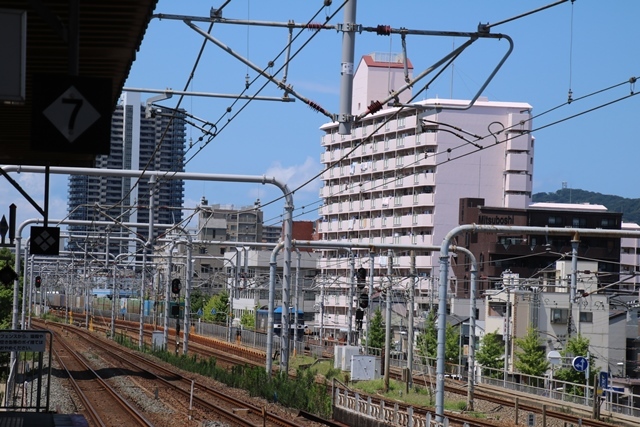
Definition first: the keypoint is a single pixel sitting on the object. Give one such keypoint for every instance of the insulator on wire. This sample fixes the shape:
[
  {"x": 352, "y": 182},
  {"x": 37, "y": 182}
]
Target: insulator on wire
[
  {"x": 374, "y": 107},
  {"x": 314, "y": 25},
  {"x": 315, "y": 106},
  {"x": 383, "y": 30}
]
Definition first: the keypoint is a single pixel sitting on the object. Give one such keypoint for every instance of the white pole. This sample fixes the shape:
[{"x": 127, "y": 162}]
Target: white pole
[{"x": 191, "y": 399}]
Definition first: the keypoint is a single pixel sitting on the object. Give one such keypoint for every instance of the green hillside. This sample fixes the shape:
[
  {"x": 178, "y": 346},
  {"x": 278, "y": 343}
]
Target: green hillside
[{"x": 630, "y": 208}]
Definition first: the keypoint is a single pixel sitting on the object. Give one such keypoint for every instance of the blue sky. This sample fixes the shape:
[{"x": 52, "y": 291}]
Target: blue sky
[{"x": 586, "y": 47}]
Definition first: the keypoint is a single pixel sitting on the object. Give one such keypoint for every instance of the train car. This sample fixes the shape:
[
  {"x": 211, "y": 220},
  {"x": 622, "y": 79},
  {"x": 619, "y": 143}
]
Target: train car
[
  {"x": 56, "y": 301},
  {"x": 298, "y": 330},
  {"x": 104, "y": 292}
]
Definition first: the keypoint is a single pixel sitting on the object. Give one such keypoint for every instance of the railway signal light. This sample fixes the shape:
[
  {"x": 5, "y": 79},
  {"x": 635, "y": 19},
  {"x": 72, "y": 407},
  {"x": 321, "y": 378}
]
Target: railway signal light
[
  {"x": 359, "y": 318},
  {"x": 175, "y": 286},
  {"x": 364, "y": 300},
  {"x": 175, "y": 310},
  {"x": 38, "y": 281},
  {"x": 361, "y": 277}
]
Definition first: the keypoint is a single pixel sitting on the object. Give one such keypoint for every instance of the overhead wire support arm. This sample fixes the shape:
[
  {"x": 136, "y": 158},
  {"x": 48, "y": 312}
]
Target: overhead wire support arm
[
  {"x": 286, "y": 88},
  {"x": 472, "y": 36},
  {"x": 377, "y": 105},
  {"x": 220, "y": 20},
  {"x": 170, "y": 92}
]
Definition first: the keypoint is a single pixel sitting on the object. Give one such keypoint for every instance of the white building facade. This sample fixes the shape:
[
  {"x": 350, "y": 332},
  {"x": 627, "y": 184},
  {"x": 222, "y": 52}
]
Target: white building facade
[
  {"x": 630, "y": 258},
  {"x": 398, "y": 178}
]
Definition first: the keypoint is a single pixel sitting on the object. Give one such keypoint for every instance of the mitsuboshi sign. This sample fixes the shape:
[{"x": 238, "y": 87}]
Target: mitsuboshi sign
[{"x": 495, "y": 220}]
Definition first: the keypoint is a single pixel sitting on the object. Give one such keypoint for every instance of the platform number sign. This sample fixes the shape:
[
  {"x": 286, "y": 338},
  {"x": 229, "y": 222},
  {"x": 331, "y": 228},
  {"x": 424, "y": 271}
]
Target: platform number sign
[{"x": 71, "y": 114}]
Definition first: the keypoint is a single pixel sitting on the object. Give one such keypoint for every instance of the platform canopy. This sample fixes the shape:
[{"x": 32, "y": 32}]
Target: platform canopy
[{"x": 88, "y": 39}]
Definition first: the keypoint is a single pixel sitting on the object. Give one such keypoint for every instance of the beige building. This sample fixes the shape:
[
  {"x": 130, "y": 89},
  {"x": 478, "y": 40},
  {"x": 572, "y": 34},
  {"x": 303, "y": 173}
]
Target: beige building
[{"x": 398, "y": 177}]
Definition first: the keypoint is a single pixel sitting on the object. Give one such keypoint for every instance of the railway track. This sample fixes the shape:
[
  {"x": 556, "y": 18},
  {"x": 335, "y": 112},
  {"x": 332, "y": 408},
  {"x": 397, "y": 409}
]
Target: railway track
[
  {"x": 553, "y": 410},
  {"x": 204, "y": 399},
  {"x": 103, "y": 405}
]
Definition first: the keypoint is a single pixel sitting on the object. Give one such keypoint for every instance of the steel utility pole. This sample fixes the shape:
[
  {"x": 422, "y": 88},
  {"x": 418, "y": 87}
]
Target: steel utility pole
[
  {"x": 352, "y": 273},
  {"x": 346, "y": 67},
  {"x": 387, "y": 335}
]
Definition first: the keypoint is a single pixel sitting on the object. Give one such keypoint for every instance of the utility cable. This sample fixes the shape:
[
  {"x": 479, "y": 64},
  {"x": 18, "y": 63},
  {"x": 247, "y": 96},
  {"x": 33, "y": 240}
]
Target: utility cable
[{"x": 230, "y": 108}]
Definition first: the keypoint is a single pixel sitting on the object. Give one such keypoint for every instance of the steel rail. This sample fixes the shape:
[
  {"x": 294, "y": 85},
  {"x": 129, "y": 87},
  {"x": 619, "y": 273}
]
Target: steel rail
[{"x": 136, "y": 416}]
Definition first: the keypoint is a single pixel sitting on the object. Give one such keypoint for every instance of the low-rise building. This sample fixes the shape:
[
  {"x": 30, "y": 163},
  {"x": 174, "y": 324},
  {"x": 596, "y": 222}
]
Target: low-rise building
[{"x": 533, "y": 255}]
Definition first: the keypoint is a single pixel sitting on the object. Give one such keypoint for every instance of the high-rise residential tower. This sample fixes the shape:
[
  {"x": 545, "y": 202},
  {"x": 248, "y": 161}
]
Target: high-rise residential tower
[
  {"x": 399, "y": 176},
  {"x": 137, "y": 143}
]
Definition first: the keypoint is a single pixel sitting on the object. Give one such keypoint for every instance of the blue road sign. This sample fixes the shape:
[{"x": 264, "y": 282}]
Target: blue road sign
[
  {"x": 199, "y": 312},
  {"x": 213, "y": 311},
  {"x": 603, "y": 380},
  {"x": 580, "y": 363}
]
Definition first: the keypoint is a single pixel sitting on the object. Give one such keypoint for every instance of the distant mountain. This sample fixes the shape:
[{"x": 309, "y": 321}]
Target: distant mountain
[{"x": 630, "y": 208}]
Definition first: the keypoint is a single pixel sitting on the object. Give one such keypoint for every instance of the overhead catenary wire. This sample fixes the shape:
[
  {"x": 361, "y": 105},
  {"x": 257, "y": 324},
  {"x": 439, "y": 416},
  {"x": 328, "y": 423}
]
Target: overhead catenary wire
[
  {"x": 328, "y": 18},
  {"x": 479, "y": 138},
  {"x": 261, "y": 73},
  {"x": 320, "y": 173}
]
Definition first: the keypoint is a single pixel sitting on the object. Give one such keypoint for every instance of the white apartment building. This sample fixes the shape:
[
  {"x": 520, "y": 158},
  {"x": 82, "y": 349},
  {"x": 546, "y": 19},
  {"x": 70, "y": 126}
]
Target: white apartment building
[
  {"x": 630, "y": 258},
  {"x": 399, "y": 176}
]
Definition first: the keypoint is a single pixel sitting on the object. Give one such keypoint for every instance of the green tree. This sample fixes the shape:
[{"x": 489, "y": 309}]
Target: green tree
[
  {"x": 427, "y": 340},
  {"x": 248, "y": 319},
  {"x": 376, "y": 331},
  {"x": 219, "y": 304},
  {"x": 490, "y": 354},
  {"x": 198, "y": 300},
  {"x": 576, "y": 346},
  {"x": 6, "y": 292},
  {"x": 452, "y": 344},
  {"x": 532, "y": 359}
]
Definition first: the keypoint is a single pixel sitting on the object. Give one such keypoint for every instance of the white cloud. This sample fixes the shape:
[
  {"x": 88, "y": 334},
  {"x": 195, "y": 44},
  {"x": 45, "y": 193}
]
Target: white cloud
[
  {"x": 32, "y": 183},
  {"x": 296, "y": 175}
]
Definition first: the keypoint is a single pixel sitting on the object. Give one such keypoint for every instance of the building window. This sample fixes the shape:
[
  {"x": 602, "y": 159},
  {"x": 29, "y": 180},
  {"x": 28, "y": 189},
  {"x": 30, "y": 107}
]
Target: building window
[
  {"x": 400, "y": 141},
  {"x": 386, "y": 143},
  {"x": 586, "y": 317},
  {"x": 401, "y": 122},
  {"x": 555, "y": 220},
  {"x": 559, "y": 315},
  {"x": 579, "y": 222},
  {"x": 607, "y": 222}
]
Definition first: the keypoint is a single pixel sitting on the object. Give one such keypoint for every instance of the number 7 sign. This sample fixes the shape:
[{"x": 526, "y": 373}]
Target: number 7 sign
[{"x": 72, "y": 114}]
